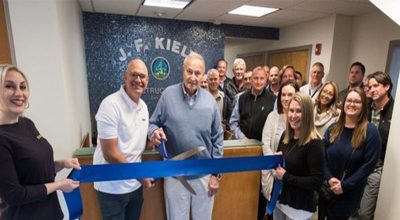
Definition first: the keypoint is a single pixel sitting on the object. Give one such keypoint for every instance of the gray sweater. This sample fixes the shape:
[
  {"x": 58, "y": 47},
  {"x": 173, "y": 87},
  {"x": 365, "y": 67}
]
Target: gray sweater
[{"x": 188, "y": 126}]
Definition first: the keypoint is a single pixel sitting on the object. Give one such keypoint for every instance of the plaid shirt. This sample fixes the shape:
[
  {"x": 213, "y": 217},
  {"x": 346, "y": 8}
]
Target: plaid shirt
[{"x": 375, "y": 115}]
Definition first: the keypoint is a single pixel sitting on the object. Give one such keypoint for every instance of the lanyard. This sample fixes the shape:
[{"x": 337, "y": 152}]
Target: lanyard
[{"x": 316, "y": 90}]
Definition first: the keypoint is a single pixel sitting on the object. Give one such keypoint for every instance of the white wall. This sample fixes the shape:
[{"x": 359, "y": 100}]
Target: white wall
[
  {"x": 48, "y": 44},
  {"x": 340, "y": 51},
  {"x": 371, "y": 35},
  {"x": 389, "y": 194}
]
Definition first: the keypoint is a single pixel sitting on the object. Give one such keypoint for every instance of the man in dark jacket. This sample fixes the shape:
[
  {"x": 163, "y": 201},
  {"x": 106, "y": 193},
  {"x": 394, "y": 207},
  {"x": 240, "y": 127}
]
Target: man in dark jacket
[
  {"x": 356, "y": 75},
  {"x": 380, "y": 113},
  {"x": 250, "y": 113}
]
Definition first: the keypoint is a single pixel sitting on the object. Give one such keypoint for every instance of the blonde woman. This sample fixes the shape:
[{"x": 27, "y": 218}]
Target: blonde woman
[
  {"x": 302, "y": 149},
  {"x": 274, "y": 127},
  {"x": 352, "y": 148},
  {"x": 327, "y": 107},
  {"x": 27, "y": 185}
]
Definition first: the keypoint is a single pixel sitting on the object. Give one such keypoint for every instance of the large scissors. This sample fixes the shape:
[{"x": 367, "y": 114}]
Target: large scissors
[{"x": 182, "y": 156}]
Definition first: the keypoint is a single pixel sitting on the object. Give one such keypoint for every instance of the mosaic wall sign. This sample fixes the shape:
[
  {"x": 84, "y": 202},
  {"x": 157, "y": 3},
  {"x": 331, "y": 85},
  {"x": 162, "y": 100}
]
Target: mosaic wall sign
[{"x": 111, "y": 41}]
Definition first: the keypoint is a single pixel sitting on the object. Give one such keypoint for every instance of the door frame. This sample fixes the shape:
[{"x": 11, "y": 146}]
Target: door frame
[
  {"x": 392, "y": 45},
  {"x": 292, "y": 49}
]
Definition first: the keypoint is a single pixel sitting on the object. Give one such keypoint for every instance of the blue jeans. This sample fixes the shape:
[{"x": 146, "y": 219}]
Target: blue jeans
[{"x": 121, "y": 206}]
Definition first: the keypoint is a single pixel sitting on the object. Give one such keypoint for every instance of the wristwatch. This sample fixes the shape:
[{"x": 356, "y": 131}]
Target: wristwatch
[{"x": 219, "y": 176}]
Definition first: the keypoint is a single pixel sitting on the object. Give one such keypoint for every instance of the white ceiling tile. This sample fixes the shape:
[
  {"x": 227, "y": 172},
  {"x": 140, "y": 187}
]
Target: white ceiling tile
[
  {"x": 207, "y": 10},
  {"x": 292, "y": 11},
  {"x": 148, "y": 11},
  {"x": 293, "y": 15},
  {"x": 127, "y": 7},
  {"x": 275, "y": 4}
]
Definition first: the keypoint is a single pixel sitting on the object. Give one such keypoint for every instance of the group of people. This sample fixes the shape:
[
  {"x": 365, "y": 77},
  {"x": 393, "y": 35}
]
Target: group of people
[{"x": 325, "y": 136}]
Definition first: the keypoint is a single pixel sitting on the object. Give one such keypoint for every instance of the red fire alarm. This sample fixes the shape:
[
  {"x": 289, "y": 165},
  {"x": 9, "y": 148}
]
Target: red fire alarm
[{"x": 318, "y": 48}]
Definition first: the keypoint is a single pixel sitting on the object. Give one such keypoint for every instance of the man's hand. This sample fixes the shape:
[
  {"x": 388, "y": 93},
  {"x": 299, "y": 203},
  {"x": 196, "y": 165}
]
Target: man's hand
[
  {"x": 147, "y": 183},
  {"x": 157, "y": 136},
  {"x": 213, "y": 185}
]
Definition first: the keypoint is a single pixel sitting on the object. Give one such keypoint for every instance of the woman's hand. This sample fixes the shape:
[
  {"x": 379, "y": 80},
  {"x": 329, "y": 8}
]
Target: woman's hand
[
  {"x": 279, "y": 172},
  {"x": 337, "y": 188},
  {"x": 71, "y": 163},
  {"x": 65, "y": 185},
  {"x": 332, "y": 181},
  {"x": 68, "y": 185}
]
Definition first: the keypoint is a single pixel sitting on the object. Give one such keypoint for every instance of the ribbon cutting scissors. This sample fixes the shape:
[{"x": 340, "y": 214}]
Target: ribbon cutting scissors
[{"x": 182, "y": 156}]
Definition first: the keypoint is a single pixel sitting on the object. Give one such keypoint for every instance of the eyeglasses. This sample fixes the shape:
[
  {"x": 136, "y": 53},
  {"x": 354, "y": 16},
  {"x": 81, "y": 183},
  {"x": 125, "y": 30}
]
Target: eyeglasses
[
  {"x": 135, "y": 75},
  {"x": 355, "y": 102}
]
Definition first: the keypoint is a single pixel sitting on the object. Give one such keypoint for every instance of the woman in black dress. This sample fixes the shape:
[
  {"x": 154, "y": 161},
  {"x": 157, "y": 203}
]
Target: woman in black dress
[{"x": 27, "y": 173}]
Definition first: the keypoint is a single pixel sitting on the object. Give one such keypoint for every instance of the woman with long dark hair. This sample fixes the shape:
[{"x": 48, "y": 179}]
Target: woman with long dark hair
[{"x": 352, "y": 148}]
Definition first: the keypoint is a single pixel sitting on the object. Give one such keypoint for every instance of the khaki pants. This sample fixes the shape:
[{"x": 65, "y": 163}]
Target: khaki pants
[{"x": 179, "y": 201}]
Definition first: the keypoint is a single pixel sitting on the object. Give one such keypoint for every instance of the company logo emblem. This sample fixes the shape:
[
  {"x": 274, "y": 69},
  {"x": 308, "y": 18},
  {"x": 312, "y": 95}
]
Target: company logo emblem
[{"x": 160, "y": 68}]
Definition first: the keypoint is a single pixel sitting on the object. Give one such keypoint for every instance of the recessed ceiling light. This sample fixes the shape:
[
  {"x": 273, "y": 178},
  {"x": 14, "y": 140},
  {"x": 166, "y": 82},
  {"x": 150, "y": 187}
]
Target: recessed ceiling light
[
  {"x": 255, "y": 11},
  {"x": 167, "y": 3}
]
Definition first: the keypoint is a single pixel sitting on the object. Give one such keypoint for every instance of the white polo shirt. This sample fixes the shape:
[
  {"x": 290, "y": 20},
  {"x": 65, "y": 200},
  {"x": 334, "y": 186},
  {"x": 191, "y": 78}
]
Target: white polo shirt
[{"x": 120, "y": 117}]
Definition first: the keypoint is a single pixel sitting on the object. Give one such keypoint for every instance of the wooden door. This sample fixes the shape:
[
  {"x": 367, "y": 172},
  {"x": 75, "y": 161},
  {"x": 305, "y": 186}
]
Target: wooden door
[
  {"x": 253, "y": 61},
  {"x": 5, "y": 55},
  {"x": 297, "y": 58}
]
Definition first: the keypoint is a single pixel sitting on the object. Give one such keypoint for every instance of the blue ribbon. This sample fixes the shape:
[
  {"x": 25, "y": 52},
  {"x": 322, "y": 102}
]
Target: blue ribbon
[{"x": 157, "y": 169}]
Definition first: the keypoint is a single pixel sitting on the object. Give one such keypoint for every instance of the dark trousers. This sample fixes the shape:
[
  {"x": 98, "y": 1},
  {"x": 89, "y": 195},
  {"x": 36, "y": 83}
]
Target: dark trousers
[
  {"x": 121, "y": 206},
  {"x": 262, "y": 204}
]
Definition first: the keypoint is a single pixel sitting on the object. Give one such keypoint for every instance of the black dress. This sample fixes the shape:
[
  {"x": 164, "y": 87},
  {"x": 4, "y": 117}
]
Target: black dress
[{"x": 26, "y": 164}]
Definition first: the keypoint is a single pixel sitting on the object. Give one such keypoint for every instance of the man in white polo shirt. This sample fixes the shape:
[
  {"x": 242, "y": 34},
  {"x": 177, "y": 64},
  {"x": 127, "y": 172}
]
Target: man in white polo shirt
[{"x": 122, "y": 124}]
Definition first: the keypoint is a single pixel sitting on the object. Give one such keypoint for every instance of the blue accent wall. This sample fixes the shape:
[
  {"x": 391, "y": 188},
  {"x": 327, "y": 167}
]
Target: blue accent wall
[{"x": 111, "y": 41}]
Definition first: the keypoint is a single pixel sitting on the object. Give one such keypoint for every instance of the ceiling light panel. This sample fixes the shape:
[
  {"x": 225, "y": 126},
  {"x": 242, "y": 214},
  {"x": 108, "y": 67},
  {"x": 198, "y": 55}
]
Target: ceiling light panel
[
  {"x": 179, "y": 4},
  {"x": 254, "y": 11}
]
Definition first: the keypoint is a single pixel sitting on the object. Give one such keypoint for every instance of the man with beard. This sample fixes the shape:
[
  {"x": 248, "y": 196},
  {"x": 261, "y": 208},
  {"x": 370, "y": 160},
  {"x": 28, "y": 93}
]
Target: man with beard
[
  {"x": 379, "y": 113},
  {"x": 356, "y": 75}
]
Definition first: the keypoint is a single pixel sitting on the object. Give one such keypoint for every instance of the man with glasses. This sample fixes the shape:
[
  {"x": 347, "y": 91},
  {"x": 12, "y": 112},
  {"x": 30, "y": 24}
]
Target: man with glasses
[
  {"x": 122, "y": 123},
  {"x": 187, "y": 117}
]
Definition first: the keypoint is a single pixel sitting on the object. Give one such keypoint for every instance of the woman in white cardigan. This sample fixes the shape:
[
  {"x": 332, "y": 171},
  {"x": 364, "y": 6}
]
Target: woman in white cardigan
[
  {"x": 327, "y": 107},
  {"x": 274, "y": 127}
]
